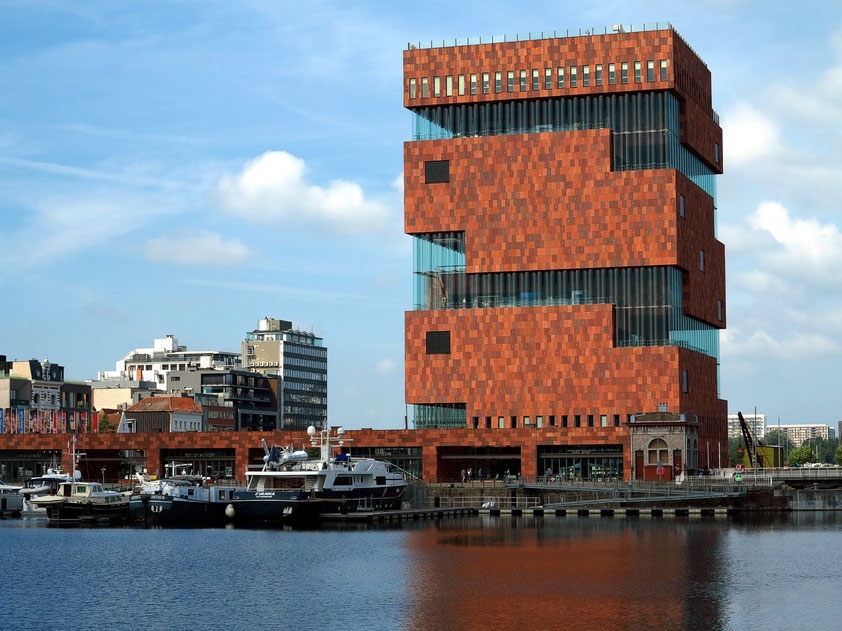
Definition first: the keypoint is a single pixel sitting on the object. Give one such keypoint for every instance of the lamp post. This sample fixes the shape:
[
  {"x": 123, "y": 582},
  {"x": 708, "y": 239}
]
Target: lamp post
[{"x": 103, "y": 474}]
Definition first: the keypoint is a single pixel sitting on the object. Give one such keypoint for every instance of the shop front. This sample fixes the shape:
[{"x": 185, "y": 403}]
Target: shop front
[{"x": 581, "y": 462}]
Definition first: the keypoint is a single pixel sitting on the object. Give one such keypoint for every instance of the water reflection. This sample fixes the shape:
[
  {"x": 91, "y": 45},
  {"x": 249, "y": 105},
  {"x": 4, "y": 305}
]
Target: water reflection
[{"x": 567, "y": 573}]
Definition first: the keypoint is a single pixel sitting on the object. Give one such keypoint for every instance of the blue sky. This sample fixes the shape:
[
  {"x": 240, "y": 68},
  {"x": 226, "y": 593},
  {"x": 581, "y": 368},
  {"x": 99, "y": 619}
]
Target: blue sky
[{"x": 190, "y": 167}]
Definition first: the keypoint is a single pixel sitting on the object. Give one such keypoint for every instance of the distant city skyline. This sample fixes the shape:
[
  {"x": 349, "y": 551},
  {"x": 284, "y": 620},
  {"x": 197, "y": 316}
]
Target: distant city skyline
[{"x": 188, "y": 169}]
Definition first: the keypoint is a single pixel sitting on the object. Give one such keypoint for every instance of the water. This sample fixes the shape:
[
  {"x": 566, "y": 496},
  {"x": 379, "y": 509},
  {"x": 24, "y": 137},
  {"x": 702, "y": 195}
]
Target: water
[{"x": 472, "y": 573}]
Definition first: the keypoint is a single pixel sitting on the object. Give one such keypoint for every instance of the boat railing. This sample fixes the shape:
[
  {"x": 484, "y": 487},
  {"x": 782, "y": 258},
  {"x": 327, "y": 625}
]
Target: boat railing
[{"x": 483, "y": 501}]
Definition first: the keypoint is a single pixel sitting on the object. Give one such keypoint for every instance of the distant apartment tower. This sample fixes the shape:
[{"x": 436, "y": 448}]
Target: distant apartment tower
[
  {"x": 560, "y": 193},
  {"x": 798, "y": 433},
  {"x": 755, "y": 422},
  {"x": 299, "y": 358}
]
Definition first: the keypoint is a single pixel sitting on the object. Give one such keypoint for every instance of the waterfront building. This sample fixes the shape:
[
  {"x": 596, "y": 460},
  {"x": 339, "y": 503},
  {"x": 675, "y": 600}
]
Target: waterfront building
[
  {"x": 756, "y": 423},
  {"x": 165, "y": 414},
  {"x": 560, "y": 194},
  {"x": 154, "y": 364},
  {"x": 299, "y": 359},
  {"x": 36, "y": 399},
  {"x": 800, "y": 432}
]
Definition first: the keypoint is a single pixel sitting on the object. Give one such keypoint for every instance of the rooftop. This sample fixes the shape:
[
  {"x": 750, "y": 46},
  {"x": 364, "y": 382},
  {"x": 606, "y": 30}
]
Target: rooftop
[{"x": 166, "y": 404}]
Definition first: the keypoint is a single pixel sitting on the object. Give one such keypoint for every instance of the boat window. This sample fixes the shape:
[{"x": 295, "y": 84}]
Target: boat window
[
  {"x": 222, "y": 495},
  {"x": 291, "y": 482},
  {"x": 343, "y": 480},
  {"x": 380, "y": 480},
  {"x": 81, "y": 490}
]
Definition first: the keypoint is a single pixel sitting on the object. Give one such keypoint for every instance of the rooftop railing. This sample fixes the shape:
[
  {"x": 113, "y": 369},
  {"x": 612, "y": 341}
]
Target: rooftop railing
[{"x": 616, "y": 29}]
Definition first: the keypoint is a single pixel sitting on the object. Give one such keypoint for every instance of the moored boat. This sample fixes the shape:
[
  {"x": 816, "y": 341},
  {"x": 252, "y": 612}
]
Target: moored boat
[
  {"x": 293, "y": 487},
  {"x": 79, "y": 501},
  {"x": 11, "y": 501}
]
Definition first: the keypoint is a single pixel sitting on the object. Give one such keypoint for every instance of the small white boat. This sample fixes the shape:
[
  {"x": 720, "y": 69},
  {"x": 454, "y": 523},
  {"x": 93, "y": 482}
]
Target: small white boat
[
  {"x": 46, "y": 484},
  {"x": 83, "y": 501},
  {"x": 11, "y": 501}
]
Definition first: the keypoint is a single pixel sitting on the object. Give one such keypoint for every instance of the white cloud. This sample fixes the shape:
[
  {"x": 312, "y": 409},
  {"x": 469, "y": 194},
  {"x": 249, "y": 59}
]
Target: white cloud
[
  {"x": 205, "y": 247},
  {"x": 763, "y": 344},
  {"x": 274, "y": 187},
  {"x": 385, "y": 366},
  {"x": 749, "y": 135},
  {"x": 806, "y": 247}
]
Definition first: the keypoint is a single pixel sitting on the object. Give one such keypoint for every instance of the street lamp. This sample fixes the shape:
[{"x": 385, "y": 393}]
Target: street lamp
[{"x": 103, "y": 475}]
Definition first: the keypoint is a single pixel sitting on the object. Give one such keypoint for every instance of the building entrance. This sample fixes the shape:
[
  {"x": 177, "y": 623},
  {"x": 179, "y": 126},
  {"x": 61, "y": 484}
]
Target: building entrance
[{"x": 581, "y": 462}]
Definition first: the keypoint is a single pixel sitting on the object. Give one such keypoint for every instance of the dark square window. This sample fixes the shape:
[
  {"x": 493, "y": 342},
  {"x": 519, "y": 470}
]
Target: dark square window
[
  {"x": 438, "y": 342},
  {"x": 487, "y": 422},
  {"x": 590, "y": 420},
  {"x": 564, "y": 420},
  {"x": 514, "y": 422},
  {"x": 476, "y": 422},
  {"x": 552, "y": 420},
  {"x": 436, "y": 171},
  {"x": 616, "y": 420},
  {"x": 577, "y": 420}
]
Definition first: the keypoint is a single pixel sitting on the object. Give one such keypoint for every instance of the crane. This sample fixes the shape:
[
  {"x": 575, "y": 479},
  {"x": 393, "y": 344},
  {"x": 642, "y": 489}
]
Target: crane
[{"x": 755, "y": 458}]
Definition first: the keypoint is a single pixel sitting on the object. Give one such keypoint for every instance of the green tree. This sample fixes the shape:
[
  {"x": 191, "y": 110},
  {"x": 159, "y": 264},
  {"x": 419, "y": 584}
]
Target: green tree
[
  {"x": 108, "y": 423},
  {"x": 838, "y": 457},
  {"x": 802, "y": 455},
  {"x": 824, "y": 448},
  {"x": 735, "y": 450},
  {"x": 776, "y": 437}
]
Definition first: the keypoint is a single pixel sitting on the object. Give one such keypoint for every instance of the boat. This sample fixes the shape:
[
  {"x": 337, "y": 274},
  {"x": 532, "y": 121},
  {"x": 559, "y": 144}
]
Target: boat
[
  {"x": 11, "y": 501},
  {"x": 180, "y": 498},
  {"x": 292, "y": 486},
  {"x": 79, "y": 501},
  {"x": 46, "y": 484}
]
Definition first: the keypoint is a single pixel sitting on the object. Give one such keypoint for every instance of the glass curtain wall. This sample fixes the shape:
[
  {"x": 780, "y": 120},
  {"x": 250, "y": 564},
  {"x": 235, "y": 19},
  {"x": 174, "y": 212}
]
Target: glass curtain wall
[
  {"x": 646, "y": 126},
  {"x": 440, "y": 416},
  {"x": 648, "y": 301}
]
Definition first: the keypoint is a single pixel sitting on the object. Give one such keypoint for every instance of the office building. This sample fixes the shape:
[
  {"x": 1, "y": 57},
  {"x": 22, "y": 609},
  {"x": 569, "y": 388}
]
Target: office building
[
  {"x": 299, "y": 359},
  {"x": 756, "y": 423},
  {"x": 560, "y": 194}
]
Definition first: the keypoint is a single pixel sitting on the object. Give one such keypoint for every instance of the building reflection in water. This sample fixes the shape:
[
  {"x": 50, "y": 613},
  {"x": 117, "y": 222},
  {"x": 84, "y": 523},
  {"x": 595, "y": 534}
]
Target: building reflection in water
[{"x": 566, "y": 573}]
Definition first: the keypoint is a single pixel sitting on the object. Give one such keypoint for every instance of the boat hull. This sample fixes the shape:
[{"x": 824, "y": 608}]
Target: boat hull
[
  {"x": 165, "y": 510},
  {"x": 87, "y": 512},
  {"x": 303, "y": 506},
  {"x": 11, "y": 504}
]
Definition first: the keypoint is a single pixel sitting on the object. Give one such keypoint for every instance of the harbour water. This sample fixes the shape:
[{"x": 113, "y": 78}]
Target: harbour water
[{"x": 767, "y": 572}]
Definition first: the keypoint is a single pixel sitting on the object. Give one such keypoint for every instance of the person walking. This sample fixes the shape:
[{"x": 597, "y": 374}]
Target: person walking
[
  {"x": 463, "y": 476},
  {"x": 470, "y": 474}
]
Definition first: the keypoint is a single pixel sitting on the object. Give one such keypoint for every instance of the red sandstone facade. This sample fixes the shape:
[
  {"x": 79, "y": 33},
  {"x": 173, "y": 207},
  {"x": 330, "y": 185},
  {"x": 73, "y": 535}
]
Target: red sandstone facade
[{"x": 551, "y": 200}]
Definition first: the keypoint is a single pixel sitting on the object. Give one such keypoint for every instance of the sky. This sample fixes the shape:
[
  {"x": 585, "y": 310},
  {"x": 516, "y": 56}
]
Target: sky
[{"x": 188, "y": 167}]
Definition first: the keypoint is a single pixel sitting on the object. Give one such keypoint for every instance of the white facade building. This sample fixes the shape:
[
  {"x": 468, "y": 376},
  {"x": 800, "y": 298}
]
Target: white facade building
[
  {"x": 755, "y": 422},
  {"x": 153, "y": 364},
  {"x": 800, "y": 432}
]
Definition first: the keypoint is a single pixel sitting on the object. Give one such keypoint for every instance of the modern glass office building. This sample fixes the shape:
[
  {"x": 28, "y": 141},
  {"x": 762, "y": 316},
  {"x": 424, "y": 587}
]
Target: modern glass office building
[{"x": 560, "y": 192}]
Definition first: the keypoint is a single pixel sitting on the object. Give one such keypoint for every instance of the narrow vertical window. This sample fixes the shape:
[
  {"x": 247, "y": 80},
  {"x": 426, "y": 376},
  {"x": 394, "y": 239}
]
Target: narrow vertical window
[
  {"x": 526, "y": 421},
  {"x": 473, "y": 84},
  {"x": 539, "y": 421},
  {"x": 719, "y": 310},
  {"x": 425, "y": 88},
  {"x": 599, "y": 74},
  {"x": 486, "y": 82},
  {"x": 476, "y": 422},
  {"x": 552, "y": 420},
  {"x": 590, "y": 420},
  {"x": 498, "y": 81},
  {"x": 501, "y": 422},
  {"x": 535, "y": 79},
  {"x": 612, "y": 74},
  {"x": 716, "y": 152},
  {"x": 510, "y": 81},
  {"x": 663, "y": 69},
  {"x": 577, "y": 420},
  {"x": 523, "y": 80},
  {"x": 560, "y": 83},
  {"x": 514, "y": 422},
  {"x": 681, "y": 206},
  {"x": 616, "y": 420},
  {"x": 702, "y": 260},
  {"x": 413, "y": 88},
  {"x": 436, "y": 86},
  {"x": 650, "y": 70},
  {"x": 586, "y": 75},
  {"x": 564, "y": 420},
  {"x": 685, "y": 385},
  {"x": 548, "y": 78},
  {"x": 624, "y": 72},
  {"x": 461, "y": 85},
  {"x": 487, "y": 422},
  {"x": 572, "y": 76},
  {"x": 603, "y": 420},
  {"x": 637, "y": 72},
  {"x": 448, "y": 85}
]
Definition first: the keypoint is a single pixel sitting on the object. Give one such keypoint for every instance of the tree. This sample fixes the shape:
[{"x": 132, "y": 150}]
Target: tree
[
  {"x": 824, "y": 448},
  {"x": 108, "y": 423},
  {"x": 838, "y": 457},
  {"x": 735, "y": 450},
  {"x": 778, "y": 437},
  {"x": 802, "y": 455}
]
